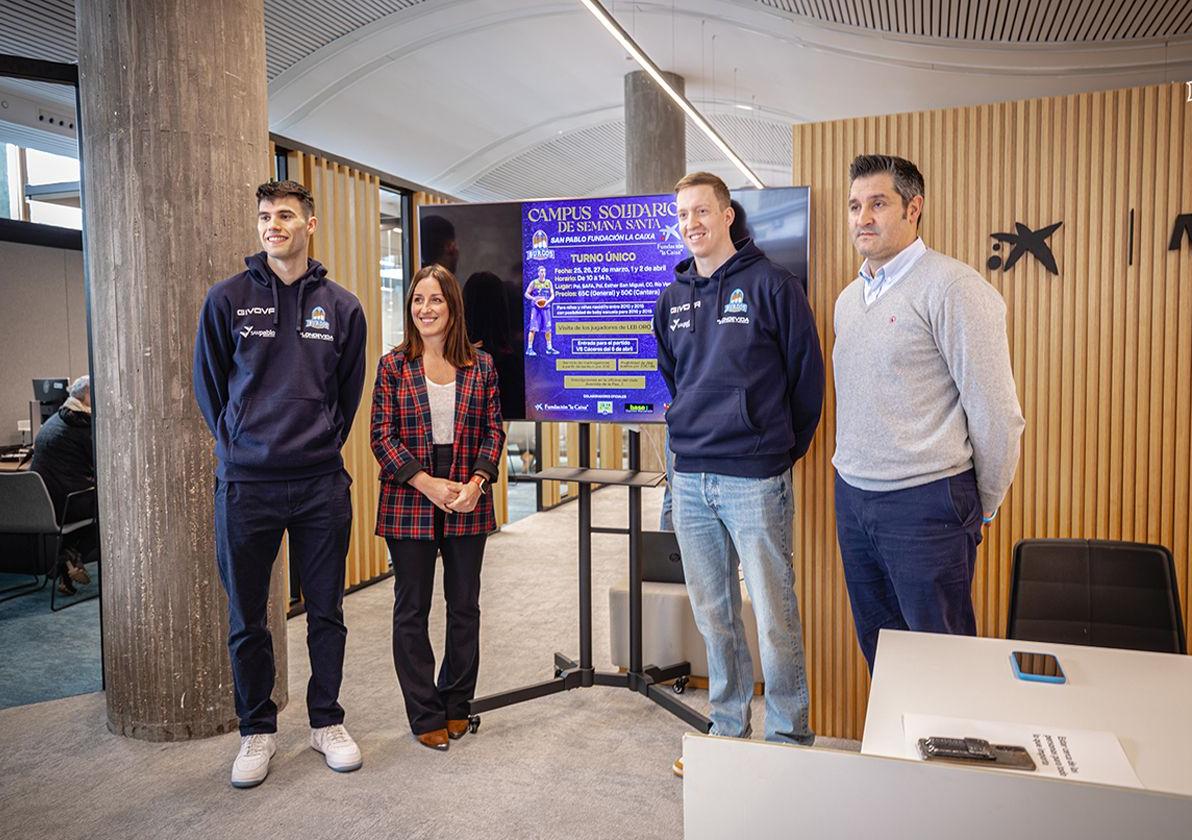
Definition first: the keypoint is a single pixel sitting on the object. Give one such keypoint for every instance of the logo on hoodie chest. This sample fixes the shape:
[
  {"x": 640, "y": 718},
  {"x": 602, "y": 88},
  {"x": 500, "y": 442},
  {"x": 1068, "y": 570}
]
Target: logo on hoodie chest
[
  {"x": 678, "y": 321},
  {"x": 735, "y": 309},
  {"x": 318, "y": 319}
]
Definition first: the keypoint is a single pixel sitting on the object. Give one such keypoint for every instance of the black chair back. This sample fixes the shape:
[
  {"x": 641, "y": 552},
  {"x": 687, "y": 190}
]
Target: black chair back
[
  {"x": 1096, "y": 592},
  {"x": 25, "y": 506}
]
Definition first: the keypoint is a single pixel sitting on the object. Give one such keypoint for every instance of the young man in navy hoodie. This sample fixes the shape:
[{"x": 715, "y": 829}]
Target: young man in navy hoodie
[
  {"x": 278, "y": 373},
  {"x": 739, "y": 351}
]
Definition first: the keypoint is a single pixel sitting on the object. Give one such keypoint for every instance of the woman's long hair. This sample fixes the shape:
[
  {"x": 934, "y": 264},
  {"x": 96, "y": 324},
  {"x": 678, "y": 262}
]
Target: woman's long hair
[{"x": 457, "y": 350}]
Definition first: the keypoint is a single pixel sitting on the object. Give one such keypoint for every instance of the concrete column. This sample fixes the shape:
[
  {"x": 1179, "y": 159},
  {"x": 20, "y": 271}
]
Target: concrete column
[
  {"x": 655, "y": 158},
  {"x": 655, "y": 135},
  {"x": 174, "y": 139}
]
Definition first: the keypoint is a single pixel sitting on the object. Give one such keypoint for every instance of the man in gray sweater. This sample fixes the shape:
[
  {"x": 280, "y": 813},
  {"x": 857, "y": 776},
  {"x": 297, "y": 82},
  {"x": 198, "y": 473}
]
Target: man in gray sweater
[{"x": 927, "y": 418}]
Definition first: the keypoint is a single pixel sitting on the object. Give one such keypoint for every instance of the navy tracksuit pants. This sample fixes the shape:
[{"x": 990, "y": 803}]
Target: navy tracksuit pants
[
  {"x": 909, "y": 557},
  {"x": 250, "y": 518}
]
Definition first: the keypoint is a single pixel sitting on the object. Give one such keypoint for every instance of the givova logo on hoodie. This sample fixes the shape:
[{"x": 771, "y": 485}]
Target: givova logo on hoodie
[{"x": 318, "y": 319}]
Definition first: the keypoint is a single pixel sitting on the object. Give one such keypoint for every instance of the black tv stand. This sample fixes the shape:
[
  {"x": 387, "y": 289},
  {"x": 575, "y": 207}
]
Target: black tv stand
[{"x": 569, "y": 674}]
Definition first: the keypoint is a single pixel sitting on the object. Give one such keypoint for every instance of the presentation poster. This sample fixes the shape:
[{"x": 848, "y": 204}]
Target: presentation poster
[{"x": 593, "y": 270}]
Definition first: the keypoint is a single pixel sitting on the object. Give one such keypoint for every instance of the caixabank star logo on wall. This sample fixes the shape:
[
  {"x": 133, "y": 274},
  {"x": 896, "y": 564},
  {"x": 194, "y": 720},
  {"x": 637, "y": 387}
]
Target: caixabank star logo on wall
[
  {"x": 1181, "y": 230},
  {"x": 1024, "y": 241}
]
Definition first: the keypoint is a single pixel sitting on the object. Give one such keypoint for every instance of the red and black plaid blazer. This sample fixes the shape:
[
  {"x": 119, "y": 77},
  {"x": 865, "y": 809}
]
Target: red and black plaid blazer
[{"x": 402, "y": 444}]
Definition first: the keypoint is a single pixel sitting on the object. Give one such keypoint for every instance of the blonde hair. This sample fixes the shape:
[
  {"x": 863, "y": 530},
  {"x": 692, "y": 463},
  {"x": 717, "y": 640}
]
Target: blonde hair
[{"x": 706, "y": 179}]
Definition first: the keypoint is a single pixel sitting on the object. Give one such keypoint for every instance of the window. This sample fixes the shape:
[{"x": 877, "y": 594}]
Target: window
[
  {"x": 393, "y": 286},
  {"x": 39, "y": 187},
  {"x": 52, "y": 187}
]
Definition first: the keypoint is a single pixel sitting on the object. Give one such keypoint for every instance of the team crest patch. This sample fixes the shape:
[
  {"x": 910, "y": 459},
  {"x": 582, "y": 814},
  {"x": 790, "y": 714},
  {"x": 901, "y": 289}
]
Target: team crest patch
[
  {"x": 540, "y": 247},
  {"x": 736, "y": 303},
  {"x": 318, "y": 319}
]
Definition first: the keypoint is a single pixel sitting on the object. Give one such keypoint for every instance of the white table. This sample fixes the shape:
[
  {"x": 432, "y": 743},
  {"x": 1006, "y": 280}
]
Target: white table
[{"x": 1143, "y": 698}]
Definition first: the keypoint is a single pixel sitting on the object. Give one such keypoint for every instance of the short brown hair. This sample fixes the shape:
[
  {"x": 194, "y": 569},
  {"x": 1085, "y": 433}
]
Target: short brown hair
[
  {"x": 273, "y": 190},
  {"x": 457, "y": 350},
  {"x": 706, "y": 179}
]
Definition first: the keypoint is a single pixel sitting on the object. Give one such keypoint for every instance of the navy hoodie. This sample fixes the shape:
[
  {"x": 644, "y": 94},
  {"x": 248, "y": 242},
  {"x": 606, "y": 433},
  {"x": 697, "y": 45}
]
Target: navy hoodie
[
  {"x": 278, "y": 372},
  {"x": 741, "y": 357}
]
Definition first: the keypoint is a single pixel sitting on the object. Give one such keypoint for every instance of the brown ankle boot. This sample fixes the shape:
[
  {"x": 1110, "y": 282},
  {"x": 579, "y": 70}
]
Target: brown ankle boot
[
  {"x": 436, "y": 739},
  {"x": 456, "y": 729}
]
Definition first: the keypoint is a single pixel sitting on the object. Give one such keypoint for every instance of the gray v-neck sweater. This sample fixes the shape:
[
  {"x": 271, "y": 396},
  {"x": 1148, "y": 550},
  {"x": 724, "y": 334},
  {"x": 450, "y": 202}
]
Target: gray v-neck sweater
[{"x": 924, "y": 387}]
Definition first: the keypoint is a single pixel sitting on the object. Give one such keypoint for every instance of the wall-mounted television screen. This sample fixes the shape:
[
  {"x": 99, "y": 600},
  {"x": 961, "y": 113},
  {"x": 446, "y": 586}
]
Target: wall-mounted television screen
[{"x": 562, "y": 292}]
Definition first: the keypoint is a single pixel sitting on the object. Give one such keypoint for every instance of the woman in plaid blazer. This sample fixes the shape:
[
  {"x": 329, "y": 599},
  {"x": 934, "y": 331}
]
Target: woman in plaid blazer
[{"x": 437, "y": 434}]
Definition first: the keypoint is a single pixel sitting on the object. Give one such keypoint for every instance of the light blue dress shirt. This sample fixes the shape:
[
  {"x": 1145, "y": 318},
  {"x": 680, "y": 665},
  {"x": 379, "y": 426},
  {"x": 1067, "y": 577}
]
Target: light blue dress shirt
[{"x": 876, "y": 285}]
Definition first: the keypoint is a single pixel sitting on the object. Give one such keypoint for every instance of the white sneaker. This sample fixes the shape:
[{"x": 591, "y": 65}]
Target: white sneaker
[
  {"x": 252, "y": 764},
  {"x": 337, "y": 746}
]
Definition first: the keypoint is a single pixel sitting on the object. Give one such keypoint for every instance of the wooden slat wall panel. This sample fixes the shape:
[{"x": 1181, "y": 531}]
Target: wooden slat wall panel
[
  {"x": 348, "y": 243},
  {"x": 1102, "y": 354}
]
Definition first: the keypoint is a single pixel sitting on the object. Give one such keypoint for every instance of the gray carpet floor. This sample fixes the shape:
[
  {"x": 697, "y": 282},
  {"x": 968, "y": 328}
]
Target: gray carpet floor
[{"x": 589, "y": 763}]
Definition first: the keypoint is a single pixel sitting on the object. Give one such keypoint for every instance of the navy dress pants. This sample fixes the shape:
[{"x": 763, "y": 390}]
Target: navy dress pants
[
  {"x": 909, "y": 557},
  {"x": 250, "y": 518}
]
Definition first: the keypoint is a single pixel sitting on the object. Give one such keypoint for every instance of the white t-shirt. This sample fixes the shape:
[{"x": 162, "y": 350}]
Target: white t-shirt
[{"x": 442, "y": 411}]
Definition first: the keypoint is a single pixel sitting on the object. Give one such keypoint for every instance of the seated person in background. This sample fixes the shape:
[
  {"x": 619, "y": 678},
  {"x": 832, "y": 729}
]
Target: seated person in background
[{"x": 64, "y": 457}]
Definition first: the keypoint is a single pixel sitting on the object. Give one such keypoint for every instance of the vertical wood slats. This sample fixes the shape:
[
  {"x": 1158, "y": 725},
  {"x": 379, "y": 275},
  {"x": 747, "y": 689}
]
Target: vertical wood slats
[
  {"x": 1102, "y": 354},
  {"x": 348, "y": 243}
]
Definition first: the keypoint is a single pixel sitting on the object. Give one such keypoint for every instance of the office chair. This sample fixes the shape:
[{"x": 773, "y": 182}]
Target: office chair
[
  {"x": 1095, "y": 592},
  {"x": 26, "y": 509}
]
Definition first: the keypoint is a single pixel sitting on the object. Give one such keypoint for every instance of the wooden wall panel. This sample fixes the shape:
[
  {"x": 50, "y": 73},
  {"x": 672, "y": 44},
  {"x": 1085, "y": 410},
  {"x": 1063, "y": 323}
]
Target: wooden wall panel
[
  {"x": 1102, "y": 354},
  {"x": 348, "y": 243}
]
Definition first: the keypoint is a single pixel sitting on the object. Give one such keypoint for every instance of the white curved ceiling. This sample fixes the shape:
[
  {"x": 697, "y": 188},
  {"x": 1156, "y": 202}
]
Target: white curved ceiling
[{"x": 493, "y": 99}]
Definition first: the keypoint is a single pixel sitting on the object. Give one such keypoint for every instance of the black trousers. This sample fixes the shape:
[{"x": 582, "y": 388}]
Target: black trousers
[
  {"x": 430, "y": 703},
  {"x": 250, "y": 518}
]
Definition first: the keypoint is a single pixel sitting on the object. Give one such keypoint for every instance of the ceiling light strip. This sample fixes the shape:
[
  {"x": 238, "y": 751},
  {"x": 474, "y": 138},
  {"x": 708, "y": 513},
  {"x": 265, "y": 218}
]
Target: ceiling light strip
[{"x": 609, "y": 22}]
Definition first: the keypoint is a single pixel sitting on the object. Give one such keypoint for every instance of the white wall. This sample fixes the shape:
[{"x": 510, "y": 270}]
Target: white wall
[{"x": 43, "y": 325}]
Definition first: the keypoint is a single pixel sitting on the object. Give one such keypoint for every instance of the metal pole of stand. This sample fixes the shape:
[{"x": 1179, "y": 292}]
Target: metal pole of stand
[
  {"x": 635, "y": 559},
  {"x": 585, "y": 558}
]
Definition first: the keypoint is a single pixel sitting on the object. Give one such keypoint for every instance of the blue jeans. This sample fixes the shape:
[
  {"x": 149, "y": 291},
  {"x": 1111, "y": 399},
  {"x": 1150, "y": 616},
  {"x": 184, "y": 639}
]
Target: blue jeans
[
  {"x": 666, "y": 520},
  {"x": 909, "y": 557},
  {"x": 754, "y": 515}
]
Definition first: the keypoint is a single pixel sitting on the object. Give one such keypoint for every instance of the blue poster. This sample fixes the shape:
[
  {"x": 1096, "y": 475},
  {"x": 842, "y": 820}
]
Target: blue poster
[{"x": 593, "y": 270}]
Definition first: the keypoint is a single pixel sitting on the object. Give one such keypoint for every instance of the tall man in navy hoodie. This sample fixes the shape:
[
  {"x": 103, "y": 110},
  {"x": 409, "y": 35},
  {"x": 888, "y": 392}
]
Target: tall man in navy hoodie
[
  {"x": 278, "y": 372},
  {"x": 739, "y": 351}
]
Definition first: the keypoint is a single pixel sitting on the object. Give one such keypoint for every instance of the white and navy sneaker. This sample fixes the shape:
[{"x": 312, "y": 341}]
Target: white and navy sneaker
[
  {"x": 252, "y": 763},
  {"x": 337, "y": 747}
]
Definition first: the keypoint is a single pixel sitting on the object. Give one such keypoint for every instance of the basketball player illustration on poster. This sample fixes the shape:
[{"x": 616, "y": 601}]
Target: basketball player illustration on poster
[{"x": 540, "y": 293}]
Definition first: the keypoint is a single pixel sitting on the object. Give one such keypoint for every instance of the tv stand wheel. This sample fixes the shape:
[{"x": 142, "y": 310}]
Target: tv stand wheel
[{"x": 680, "y": 685}]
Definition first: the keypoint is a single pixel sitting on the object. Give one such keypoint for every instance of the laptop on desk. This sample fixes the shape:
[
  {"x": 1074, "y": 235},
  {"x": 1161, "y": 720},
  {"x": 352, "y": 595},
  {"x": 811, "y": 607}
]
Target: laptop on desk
[{"x": 661, "y": 562}]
